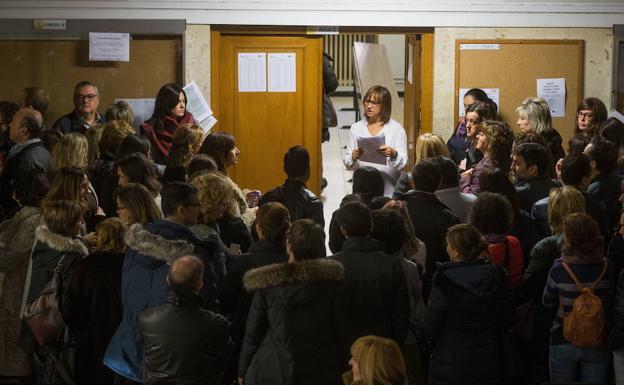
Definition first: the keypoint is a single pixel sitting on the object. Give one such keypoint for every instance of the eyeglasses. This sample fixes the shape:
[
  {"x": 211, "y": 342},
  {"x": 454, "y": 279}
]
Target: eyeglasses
[
  {"x": 585, "y": 115},
  {"x": 88, "y": 97},
  {"x": 372, "y": 102}
]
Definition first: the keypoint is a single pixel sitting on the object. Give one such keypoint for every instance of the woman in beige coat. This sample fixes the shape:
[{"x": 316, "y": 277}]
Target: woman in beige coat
[{"x": 17, "y": 236}]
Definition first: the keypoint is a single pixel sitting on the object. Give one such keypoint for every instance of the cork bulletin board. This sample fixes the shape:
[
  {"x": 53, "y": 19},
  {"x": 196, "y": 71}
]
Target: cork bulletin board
[
  {"x": 513, "y": 66},
  {"x": 58, "y": 64}
]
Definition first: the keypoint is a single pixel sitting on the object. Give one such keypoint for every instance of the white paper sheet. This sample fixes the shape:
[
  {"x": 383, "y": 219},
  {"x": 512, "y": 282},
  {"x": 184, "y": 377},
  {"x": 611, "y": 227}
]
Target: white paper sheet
[
  {"x": 207, "y": 123},
  {"x": 109, "y": 46},
  {"x": 479, "y": 46},
  {"x": 141, "y": 108},
  {"x": 282, "y": 72},
  {"x": 492, "y": 93},
  {"x": 196, "y": 103},
  {"x": 252, "y": 72},
  {"x": 369, "y": 147},
  {"x": 554, "y": 92}
]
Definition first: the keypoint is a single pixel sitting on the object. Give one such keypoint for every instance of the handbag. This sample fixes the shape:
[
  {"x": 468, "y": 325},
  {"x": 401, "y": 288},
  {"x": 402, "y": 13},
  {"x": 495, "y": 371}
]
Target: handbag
[
  {"x": 330, "y": 119},
  {"x": 43, "y": 315}
]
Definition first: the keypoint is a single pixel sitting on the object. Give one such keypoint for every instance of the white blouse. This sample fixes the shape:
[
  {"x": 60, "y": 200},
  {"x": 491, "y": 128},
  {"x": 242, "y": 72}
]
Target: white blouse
[{"x": 395, "y": 137}]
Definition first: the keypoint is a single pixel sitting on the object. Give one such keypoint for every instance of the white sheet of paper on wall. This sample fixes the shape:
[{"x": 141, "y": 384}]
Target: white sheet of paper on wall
[
  {"x": 252, "y": 72},
  {"x": 109, "y": 46},
  {"x": 492, "y": 93},
  {"x": 282, "y": 72},
  {"x": 554, "y": 92}
]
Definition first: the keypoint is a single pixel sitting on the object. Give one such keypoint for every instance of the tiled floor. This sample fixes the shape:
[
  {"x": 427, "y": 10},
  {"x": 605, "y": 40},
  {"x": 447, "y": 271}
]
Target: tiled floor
[{"x": 333, "y": 168}]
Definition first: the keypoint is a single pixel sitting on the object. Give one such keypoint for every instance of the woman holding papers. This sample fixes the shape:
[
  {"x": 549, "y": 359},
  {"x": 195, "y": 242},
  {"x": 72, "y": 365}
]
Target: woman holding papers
[{"x": 377, "y": 140}]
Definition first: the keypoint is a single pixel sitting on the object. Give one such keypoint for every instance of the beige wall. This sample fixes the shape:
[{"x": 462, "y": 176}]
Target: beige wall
[
  {"x": 598, "y": 63},
  {"x": 197, "y": 57}
]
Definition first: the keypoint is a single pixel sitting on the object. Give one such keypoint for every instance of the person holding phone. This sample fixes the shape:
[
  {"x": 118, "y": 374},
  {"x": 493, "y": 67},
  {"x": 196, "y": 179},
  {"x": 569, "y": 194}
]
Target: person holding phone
[{"x": 376, "y": 124}]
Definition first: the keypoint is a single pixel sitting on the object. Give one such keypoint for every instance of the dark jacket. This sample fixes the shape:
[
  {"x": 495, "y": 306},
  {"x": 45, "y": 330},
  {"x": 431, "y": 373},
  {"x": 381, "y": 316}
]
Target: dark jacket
[
  {"x": 532, "y": 189},
  {"x": 373, "y": 297},
  {"x": 33, "y": 156},
  {"x": 150, "y": 251},
  {"x": 469, "y": 184},
  {"x": 92, "y": 310},
  {"x": 462, "y": 321},
  {"x": 232, "y": 230},
  {"x": 615, "y": 252},
  {"x": 606, "y": 188},
  {"x": 542, "y": 257},
  {"x": 431, "y": 219},
  {"x": 457, "y": 143},
  {"x": 528, "y": 232},
  {"x": 235, "y": 300},
  {"x": 183, "y": 343},
  {"x": 73, "y": 122},
  {"x": 554, "y": 140},
  {"x": 48, "y": 250},
  {"x": 300, "y": 202},
  {"x": 161, "y": 135},
  {"x": 616, "y": 335},
  {"x": 290, "y": 339},
  {"x": 104, "y": 180}
]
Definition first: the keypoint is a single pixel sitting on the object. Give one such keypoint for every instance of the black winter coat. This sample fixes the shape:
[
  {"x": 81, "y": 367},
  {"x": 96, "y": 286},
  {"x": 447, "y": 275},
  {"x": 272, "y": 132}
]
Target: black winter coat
[
  {"x": 290, "y": 338},
  {"x": 616, "y": 335},
  {"x": 431, "y": 219},
  {"x": 104, "y": 180},
  {"x": 48, "y": 250},
  {"x": 462, "y": 320},
  {"x": 373, "y": 297},
  {"x": 533, "y": 189},
  {"x": 300, "y": 202},
  {"x": 183, "y": 343},
  {"x": 92, "y": 310},
  {"x": 606, "y": 188}
]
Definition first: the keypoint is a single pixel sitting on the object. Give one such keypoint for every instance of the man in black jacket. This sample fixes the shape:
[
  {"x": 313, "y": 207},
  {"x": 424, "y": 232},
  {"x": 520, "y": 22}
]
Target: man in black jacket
[
  {"x": 27, "y": 155},
  {"x": 183, "y": 343},
  {"x": 372, "y": 298},
  {"x": 300, "y": 202},
  {"x": 430, "y": 217},
  {"x": 84, "y": 115},
  {"x": 530, "y": 167}
]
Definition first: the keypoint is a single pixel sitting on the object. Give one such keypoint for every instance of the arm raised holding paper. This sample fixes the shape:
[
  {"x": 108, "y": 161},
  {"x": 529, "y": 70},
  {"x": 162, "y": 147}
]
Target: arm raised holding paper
[{"x": 377, "y": 140}]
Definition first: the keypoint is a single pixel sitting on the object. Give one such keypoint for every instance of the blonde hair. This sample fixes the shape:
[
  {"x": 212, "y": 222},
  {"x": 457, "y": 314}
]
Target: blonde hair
[
  {"x": 94, "y": 134},
  {"x": 537, "y": 112},
  {"x": 187, "y": 138},
  {"x": 379, "y": 360},
  {"x": 71, "y": 151},
  {"x": 215, "y": 194},
  {"x": 110, "y": 235},
  {"x": 429, "y": 146},
  {"x": 563, "y": 201},
  {"x": 113, "y": 134}
]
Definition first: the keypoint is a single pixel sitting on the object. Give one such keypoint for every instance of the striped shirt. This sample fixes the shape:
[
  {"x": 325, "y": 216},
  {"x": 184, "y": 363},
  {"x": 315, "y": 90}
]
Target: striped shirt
[{"x": 561, "y": 286}]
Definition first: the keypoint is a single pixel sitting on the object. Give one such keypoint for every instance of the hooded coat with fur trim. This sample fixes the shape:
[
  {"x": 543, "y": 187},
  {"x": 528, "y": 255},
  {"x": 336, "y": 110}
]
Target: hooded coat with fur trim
[
  {"x": 289, "y": 337},
  {"x": 151, "y": 249},
  {"x": 49, "y": 248}
]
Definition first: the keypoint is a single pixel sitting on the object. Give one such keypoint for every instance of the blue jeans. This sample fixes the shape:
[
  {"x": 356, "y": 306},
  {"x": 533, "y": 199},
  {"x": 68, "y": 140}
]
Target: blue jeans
[
  {"x": 569, "y": 364},
  {"x": 618, "y": 366}
]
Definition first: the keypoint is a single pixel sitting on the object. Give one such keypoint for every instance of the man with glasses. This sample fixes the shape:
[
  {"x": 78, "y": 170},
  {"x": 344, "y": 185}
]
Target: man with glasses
[{"x": 84, "y": 115}]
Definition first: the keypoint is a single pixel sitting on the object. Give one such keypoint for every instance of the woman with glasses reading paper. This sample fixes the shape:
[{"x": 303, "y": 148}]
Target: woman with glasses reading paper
[{"x": 377, "y": 140}]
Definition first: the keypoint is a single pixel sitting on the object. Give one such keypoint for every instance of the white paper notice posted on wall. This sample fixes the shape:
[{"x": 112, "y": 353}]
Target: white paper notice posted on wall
[
  {"x": 282, "y": 72},
  {"x": 195, "y": 102},
  {"x": 492, "y": 93},
  {"x": 109, "y": 46},
  {"x": 554, "y": 92},
  {"x": 252, "y": 72}
]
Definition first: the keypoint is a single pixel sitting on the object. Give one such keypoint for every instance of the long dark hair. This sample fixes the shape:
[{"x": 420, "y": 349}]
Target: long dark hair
[
  {"x": 140, "y": 170},
  {"x": 167, "y": 98},
  {"x": 218, "y": 145}
]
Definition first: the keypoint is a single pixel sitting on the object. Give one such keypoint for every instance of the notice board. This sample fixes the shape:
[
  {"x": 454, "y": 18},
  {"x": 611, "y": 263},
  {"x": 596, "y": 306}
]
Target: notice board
[
  {"x": 58, "y": 64},
  {"x": 513, "y": 66}
]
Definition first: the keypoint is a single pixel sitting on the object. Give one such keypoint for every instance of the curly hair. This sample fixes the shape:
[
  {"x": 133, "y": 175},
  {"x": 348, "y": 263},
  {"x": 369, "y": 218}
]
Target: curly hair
[
  {"x": 110, "y": 235},
  {"x": 113, "y": 134},
  {"x": 500, "y": 141},
  {"x": 215, "y": 194},
  {"x": 71, "y": 151},
  {"x": 186, "y": 141},
  {"x": 491, "y": 214},
  {"x": 581, "y": 238}
]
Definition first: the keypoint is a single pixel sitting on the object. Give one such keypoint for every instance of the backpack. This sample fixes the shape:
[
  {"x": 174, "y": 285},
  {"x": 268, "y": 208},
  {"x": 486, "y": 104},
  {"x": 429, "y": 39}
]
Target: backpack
[{"x": 584, "y": 325}]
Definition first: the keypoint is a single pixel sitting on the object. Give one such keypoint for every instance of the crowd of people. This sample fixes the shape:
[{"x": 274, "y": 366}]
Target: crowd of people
[{"x": 128, "y": 255}]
